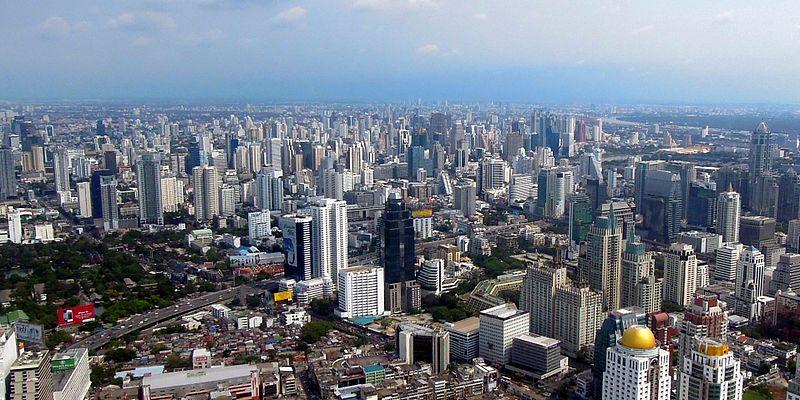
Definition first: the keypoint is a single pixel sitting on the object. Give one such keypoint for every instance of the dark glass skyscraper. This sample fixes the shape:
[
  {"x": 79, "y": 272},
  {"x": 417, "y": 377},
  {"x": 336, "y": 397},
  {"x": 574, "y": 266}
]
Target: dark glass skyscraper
[
  {"x": 662, "y": 206},
  {"x": 8, "y": 176},
  {"x": 607, "y": 336},
  {"x": 97, "y": 198},
  {"x": 398, "y": 241},
  {"x": 193, "y": 159}
]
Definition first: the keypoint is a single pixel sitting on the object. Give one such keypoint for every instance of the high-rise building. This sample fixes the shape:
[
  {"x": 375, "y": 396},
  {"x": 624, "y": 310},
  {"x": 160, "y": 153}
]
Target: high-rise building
[
  {"x": 61, "y": 169},
  {"x": 71, "y": 374},
  {"x": 537, "y": 356},
  {"x": 8, "y": 175},
  {"x": 360, "y": 292},
  {"x": 703, "y": 199},
  {"x": 554, "y": 185},
  {"x": 794, "y": 385},
  {"x": 422, "y": 344},
  {"x": 148, "y": 179},
  {"x": 538, "y": 296},
  {"x": 499, "y": 326},
  {"x": 706, "y": 317},
  {"x": 31, "y": 377},
  {"x": 601, "y": 265},
  {"x": 578, "y": 313},
  {"x": 464, "y": 343},
  {"x": 727, "y": 258},
  {"x": 607, "y": 336},
  {"x": 749, "y": 282},
  {"x": 639, "y": 286},
  {"x": 580, "y": 220},
  {"x": 205, "y": 183},
  {"x": 297, "y": 246},
  {"x": 258, "y": 225},
  {"x": 269, "y": 189},
  {"x": 464, "y": 197},
  {"x": 15, "y": 233},
  {"x": 637, "y": 368},
  {"x": 793, "y": 236},
  {"x": 397, "y": 246},
  {"x": 8, "y": 355},
  {"x": 710, "y": 372},
  {"x": 431, "y": 276},
  {"x": 662, "y": 206},
  {"x": 108, "y": 202},
  {"x": 786, "y": 275},
  {"x": 756, "y": 230},
  {"x": 171, "y": 193},
  {"x": 680, "y": 274},
  {"x": 492, "y": 174},
  {"x": 329, "y": 237},
  {"x": 85, "y": 199},
  {"x": 97, "y": 200},
  {"x": 760, "y": 161},
  {"x": 728, "y": 213},
  {"x": 642, "y": 167}
]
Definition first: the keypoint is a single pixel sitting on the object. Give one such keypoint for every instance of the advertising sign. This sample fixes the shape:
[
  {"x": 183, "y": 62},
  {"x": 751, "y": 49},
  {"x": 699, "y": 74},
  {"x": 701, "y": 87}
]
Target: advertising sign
[
  {"x": 423, "y": 213},
  {"x": 29, "y": 332},
  {"x": 75, "y": 315},
  {"x": 282, "y": 296},
  {"x": 62, "y": 364}
]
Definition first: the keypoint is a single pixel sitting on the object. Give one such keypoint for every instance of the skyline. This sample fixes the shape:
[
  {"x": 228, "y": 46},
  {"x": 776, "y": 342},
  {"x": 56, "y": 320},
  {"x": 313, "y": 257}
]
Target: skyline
[{"x": 377, "y": 50}]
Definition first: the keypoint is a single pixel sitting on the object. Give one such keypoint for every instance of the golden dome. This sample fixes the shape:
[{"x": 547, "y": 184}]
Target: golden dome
[{"x": 638, "y": 337}]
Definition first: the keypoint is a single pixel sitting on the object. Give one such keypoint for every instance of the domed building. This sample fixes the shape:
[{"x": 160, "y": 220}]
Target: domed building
[{"x": 637, "y": 368}]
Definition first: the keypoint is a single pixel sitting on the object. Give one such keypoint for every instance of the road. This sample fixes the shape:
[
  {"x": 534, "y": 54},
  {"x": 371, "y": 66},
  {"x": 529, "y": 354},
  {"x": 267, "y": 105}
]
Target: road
[{"x": 153, "y": 317}]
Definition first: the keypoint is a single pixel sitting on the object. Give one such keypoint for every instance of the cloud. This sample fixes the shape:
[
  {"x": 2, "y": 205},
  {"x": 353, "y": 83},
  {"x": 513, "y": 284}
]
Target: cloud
[
  {"x": 54, "y": 27},
  {"x": 428, "y": 49},
  {"x": 643, "y": 29},
  {"x": 388, "y": 5},
  {"x": 142, "y": 21},
  {"x": 725, "y": 17},
  {"x": 481, "y": 16},
  {"x": 141, "y": 41},
  {"x": 290, "y": 16}
]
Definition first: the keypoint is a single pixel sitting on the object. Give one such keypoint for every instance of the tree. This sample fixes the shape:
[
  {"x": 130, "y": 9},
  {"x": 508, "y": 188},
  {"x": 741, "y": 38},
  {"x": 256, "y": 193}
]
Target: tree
[
  {"x": 314, "y": 330},
  {"x": 120, "y": 355},
  {"x": 322, "y": 307},
  {"x": 254, "y": 301}
]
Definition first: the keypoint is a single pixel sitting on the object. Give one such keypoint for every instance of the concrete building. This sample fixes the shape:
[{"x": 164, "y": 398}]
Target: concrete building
[
  {"x": 711, "y": 372},
  {"x": 329, "y": 237},
  {"x": 729, "y": 210},
  {"x": 706, "y": 317},
  {"x": 297, "y": 245},
  {"x": 464, "y": 342},
  {"x": 577, "y": 314},
  {"x": 422, "y": 344},
  {"x": 701, "y": 242},
  {"x": 498, "y": 327},
  {"x": 601, "y": 265},
  {"x": 85, "y": 199},
  {"x": 148, "y": 179},
  {"x": 680, "y": 274},
  {"x": 749, "y": 282},
  {"x": 538, "y": 296},
  {"x": 464, "y": 197},
  {"x": 71, "y": 374},
  {"x": 258, "y": 225},
  {"x": 206, "y": 192},
  {"x": 10, "y": 352},
  {"x": 15, "y": 233},
  {"x": 360, "y": 292},
  {"x": 537, "y": 356},
  {"x": 430, "y": 276},
  {"x": 241, "y": 381},
  {"x": 636, "y": 368},
  {"x": 639, "y": 285},
  {"x": 31, "y": 377}
]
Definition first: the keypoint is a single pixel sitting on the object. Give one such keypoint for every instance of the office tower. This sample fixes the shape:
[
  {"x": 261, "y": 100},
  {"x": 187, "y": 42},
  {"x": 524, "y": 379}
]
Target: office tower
[
  {"x": 8, "y": 176},
  {"x": 148, "y": 179},
  {"x": 431, "y": 276},
  {"x": 36, "y": 162},
  {"x": 637, "y": 368},
  {"x": 31, "y": 377},
  {"x": 680, "y": 274},
  {"x": 756, "y": 230},
  {"x": 14, "y": 225},
  {"x": 749, "y": 282},
  {"x": 624, "y": 214},
  {"x": 577, "y": 314},
  {"x": 608, "y": 335},
  {"x": 417, "y": 158},
  {"x": 552, "y": 134},
  {"x": 601, "y": 265},
  {"x": 422, "y": 344},
  {"x": 492, "y": 174},
  {"x": 335, "y": 183},
  {"x": 642, "y": 167},
  {"x": 171, "y": 193},
  {"x": 85, "y": 199},
  {"x": 499, "y": 326},
  {"x": 97, "y": 201},
  {"x": 258, "y": 225},
  {"x": 711, "y": 372},
  {"x": 71, "y": 374},
  {"x": 360, "y": 292},
  {"x": 110, "y": 161},
  {"x": 661, "y": 206},
  {"x": 793, "y": 236},
  {"x": 269, "y": 189},
  {"x": 329, "y": 237},
  {"x": 728, "y": 213},
  {"x": 554, "y": 185},
  {"x": 514, "y": 142},
  {"x": 580, "y": 131},
  {"x": 195, "y": 156},
  {"x": 227, "y": 200},
  {"x": 580, "y": 220},
  {"x": 701, "y": 209},
  {"x": 521, "y": 188},
  {"x": 108, "y": 202},
  {"x": 706, "y": 317},
  {"x": 205, "y": 183},
  {"x": 727, "y": 258},
  {"x": 464, "y": 197},
  {"x": 760, "y": 160},
  {"x": 536, "y": 356},
  {"x": 464, "y": 339},
  {"x": 296, "y": 230},
  {"x": 538, "y": 296},
  {"x": 61, "y": 169},
  {"x": 397, "y": 244},
  {"x": 788, "y": 196},
  {"x": 640, "y": 287},
  {"x": 786, "y": 275}
]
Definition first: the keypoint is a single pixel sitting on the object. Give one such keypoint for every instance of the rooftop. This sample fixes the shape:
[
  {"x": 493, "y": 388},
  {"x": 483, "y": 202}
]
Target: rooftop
[
  {"x": 543, "y": 341},
  {"x": 198, "y": 376},
  {"x": 470, "y": 324},
  {"x": 504, "y": 311}
]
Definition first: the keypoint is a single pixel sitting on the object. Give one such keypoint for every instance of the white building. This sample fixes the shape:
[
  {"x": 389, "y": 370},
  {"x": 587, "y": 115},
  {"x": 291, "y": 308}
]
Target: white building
[
  {"x": 577, "y": 315},
  {"x": 431, "y": 276},
  {"x": 749, "y": 282},
  {"x": 205, "y": 185},
  {"x": 727, "y": 258},
  {"x": 360, "y": 292},
  {"x": 464, "y": 342},
  {"x": 538, "y": 294},
  {"x": 710, "y": 373},
  {"x": 8, "y": 347},
  {"x": 636, "y": 368},
  {"x": 221, "y": 311},
  {"x": 71, "y": 374},
  {"x": 423, "y": 227},
  {"x": 329, "y": 237},
  {"x": 227, "y": 201},
  {"x": 85, "y": 199},
  {"x": 15, "y": 225},
  {"x": 499, "y": 326},
  {"x": 201, "y": 358},
  {"x": 680, "y": 274},
  {"x": 794, "y": 385},
  {"x": 171, "y": 193},
  {"x": 258, "y": 225},
  {"x": 317, "y": 288},
  {"x": 269, "y": 188},
  {"x": 728, "y": 212}
]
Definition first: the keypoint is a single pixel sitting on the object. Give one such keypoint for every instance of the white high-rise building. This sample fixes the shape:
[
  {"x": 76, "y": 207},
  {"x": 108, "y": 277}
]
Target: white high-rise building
[
  {"x": 727, "y": 258},
  {"x": 148, "y": 179},
  {"x": 711, "y": 372},
  {"x": 10, "y": 352},
  {"x": 728, "y": 212},
  {"x": 601, "y": 265},
  {"x": 61, "y": 169},
  {"x": 335, "y": 184},
  {"x": 431, "y": 276},
  {"x": 85, "y": 199},
  {"x": 680, "y": 274},
  {"x": 15, "y": 225},
  {"x": 206, "y": 192},
  {"x": 577, "y": 315},
  {"x": 73, "y": 383},
  {"x": 492, "y": 173},
  {"x": 171, "y": 193},
  {"x": 749, "y": 282},
  {"x": 328, "y": 237},
  {"x": 227, "y": 200},
  {"x": 108, "y": 199},
  {"x": 639, "y": 285},
  {"x": 258, "y": 225},
  {"x": 269, "y": 189},
  {"x": 538, "y": 296},
  {"x": 794, "y": 385},
  {"x": 499, "y": 326},
  {"x": 637, "y": 368},
  {"x": 360, "y": 292}
]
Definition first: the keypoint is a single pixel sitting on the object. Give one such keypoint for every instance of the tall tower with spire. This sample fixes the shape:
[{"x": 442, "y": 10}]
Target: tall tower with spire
[{"x": 601, "y": 265}]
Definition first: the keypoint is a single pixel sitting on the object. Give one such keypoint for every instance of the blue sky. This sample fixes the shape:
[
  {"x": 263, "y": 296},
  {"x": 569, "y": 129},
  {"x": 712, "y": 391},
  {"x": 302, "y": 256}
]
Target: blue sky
[{"x": 508, "y": 50}]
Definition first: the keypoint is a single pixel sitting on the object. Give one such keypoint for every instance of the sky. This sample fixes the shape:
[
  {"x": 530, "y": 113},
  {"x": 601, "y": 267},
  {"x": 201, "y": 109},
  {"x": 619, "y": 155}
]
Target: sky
[{"x": 599, "y": 51}]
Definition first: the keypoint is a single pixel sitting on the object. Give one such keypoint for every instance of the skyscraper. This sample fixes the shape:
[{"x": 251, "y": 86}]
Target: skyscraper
[
  {"x": 206, "y": 192},
  {"x": 269, "y": 189},
  {"x": 85, "y": 199},
  {"x": 607, "y": 336},
  {"x": 498, "y": 327},
  {"x": 97, "y": 199},
  {"x": 706, "y": 317},
  {"x": 538, "y": 296},
  {"x": 662, "y": 206},
  {"x": 727, "y": 258},
  {"x": 464, "y": 197},
  {"x": 580, "y": 220},
  {"x": 108, "y": 202},
  {"x": 640, "y": 287},
  {"x": 329, "y": 237},
  {"x": 15, "y": 225},
  {"x": 577, "y": 314},
  {"x": 601, "y": 265},
  {"x": 61, "y": 169},
  {"x": 680, "y": 274},
  {"x": 554, "y": 185},
  {"x": 258, "y": 225},
  {"x": 760, "y": 161},
  {"x": 728, "y": 212},
  {"x": 297, "y": 247},
  {"x": 397, "y": 251},
  {"x": 710, "y": 372},
  {"x": 8, "y": 175},
  {"x": 749, "y": 282},
  {"x": 148, "y": 177},
  {"x": 360, "y": 292},
  {"x": 636, "y": 368},
  {"x": 786, "y": 275}
]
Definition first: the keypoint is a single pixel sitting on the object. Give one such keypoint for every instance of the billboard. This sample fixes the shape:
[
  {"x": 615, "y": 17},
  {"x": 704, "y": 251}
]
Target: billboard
[
  {"x": 62, "y": 364},
  {"x": 29, "y": 332},
  {"x": 289, "y": 230},
  {"x": 282, "y": 296},
  {"x": 75, "y": 315},
  {"x": 423, "y": 213}
]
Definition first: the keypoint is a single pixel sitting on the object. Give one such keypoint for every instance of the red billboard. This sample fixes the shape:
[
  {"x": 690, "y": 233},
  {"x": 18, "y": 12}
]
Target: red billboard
[{"x": 75, "y": 315}]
